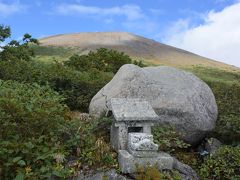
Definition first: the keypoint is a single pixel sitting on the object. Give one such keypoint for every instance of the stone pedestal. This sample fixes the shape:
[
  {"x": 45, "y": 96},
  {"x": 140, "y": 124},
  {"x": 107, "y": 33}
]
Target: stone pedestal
[
  {"x": 128, "y": 163},
  {"x": 141, "y": 151}
]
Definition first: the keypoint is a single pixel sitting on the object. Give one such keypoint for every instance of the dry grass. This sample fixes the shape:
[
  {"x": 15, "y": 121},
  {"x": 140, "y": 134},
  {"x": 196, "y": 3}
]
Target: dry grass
[{"x": 140, "y": 48}]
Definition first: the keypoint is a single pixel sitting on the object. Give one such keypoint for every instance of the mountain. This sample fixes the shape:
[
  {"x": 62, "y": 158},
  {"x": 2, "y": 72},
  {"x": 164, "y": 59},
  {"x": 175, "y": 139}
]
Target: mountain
[{"x": 152, "y": 52}]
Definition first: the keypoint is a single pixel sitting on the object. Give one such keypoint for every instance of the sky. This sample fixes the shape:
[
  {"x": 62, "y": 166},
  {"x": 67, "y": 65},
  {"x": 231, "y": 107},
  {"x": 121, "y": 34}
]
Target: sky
[{"x": 210, "y": 28}]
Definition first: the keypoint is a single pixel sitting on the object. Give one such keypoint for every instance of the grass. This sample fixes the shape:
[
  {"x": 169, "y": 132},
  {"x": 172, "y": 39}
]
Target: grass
[
  {"x": 216, "y": 75},
  {"x": 50, "y": 54}
]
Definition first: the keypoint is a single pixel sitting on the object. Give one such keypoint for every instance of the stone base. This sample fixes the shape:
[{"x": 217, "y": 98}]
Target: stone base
[{"x": 128, "y": 163}]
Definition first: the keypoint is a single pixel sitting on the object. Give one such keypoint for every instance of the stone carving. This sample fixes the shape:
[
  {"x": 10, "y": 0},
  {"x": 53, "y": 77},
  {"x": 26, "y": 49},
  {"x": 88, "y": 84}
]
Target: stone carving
[
  {"x": 129, "y": 116},
  {"x": 141, "y": 145}
]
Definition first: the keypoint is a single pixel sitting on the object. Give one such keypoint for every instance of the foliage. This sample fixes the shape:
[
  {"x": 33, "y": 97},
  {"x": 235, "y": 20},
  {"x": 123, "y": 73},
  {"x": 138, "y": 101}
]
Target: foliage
[
  {"x": 152, "y": 173},
  {"x": 16, "y": 50},
  {"x": 226, "y": 88},
  {"x": 224, "y": 164},
  {"x": 103, "y": 60},
  {"x": 38, "y": 135},
  {"x": 29, "y": 110},
  {"x": 188, "y": 157},
  {"x": 51, "y": 51},
  {"x": 5, "y": 32},
  {"x": 77, "y": 87},
  {"x": 228, "y": 123},
  {"x": 167, "y": 138},
  {"x": 30, "y": 117},
  {"x": 88, "y": 143}
]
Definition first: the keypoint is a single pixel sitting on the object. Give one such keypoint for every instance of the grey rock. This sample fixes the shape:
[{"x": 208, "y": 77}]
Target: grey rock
[
  {"x": 128, "y": 163},
  {"x": 131, "y": 109},
  {"x": 109, "y": 175},
  {"x": 178, "y": 98},
  {"x": 187, "y": 173},
  {"x": 142, "y": 145},
  {"x": 129, "y": 115},
  {"x": 212, "y": 145}
]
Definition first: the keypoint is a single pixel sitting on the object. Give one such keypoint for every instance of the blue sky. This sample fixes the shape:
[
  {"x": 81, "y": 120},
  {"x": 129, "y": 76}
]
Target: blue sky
[{"x": 173, "y": 22}]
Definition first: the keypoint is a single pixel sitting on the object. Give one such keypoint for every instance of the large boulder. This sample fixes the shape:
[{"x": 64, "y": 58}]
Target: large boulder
[{"x": 178, "y": 97}]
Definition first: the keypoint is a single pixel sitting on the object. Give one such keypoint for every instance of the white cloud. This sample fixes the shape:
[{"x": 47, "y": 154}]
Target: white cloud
[
  {"x": 130, "y": 17},
  {"x": 217, "y": 38},
  {"x": 131, "y": 12},
  {"x": 7, "y": 9}
]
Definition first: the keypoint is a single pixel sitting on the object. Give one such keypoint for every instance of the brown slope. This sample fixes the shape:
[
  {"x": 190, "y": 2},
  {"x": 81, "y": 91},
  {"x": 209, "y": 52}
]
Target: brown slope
[{"x": 138, "y": 47}]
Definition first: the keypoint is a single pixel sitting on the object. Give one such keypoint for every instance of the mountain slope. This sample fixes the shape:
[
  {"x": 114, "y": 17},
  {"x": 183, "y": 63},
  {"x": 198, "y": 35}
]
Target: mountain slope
[{"x": 152, "y": 52}]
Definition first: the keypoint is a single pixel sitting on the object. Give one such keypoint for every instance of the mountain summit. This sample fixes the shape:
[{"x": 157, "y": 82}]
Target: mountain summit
[{"x": 152, "y": 52}]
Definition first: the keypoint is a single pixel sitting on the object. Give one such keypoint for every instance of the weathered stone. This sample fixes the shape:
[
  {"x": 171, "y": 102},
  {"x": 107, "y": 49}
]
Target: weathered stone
[
  {"x": 187, "y": 173},
  {"x": 131, "y": 109},
  {"x": 177, "y": 97},
  {"x": 129, "y": 115},
  {"x": 212, "y": 145},
  {"x": 128, "y": 163},
  {"x": 141, "y": 145},
  {"x": 109, "y": 175}
]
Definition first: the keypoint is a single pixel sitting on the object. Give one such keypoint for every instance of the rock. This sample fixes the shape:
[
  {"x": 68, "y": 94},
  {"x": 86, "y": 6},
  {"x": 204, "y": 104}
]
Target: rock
[
  {"x": 187, "y": 173},
  {"x": 109, "y": 175},
  {"x": 178, "y": 98},
  {"x": 127, "y": 162},
  {"x": 141, "y": 145},
  {"x": 212, "y": 145}
]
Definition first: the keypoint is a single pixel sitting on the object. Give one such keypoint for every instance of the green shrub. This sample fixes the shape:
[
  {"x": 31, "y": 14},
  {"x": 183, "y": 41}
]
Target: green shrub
[
  {"x": 152, "y": 173},
  {"x": 167, "y": 138},
  {"x": 224, "y": 164},
  {"x": 226, "y": 88},
  {"x": 78, "y": 88},
  {"x": 29, "y": 110},
  {"x": 38, "y": 135},
  {"x": 88, "y": 141},
  {"x": 102, "y": 60},
  {"x": 30, "y": 117},
  {"x": 228, "y": 122}
]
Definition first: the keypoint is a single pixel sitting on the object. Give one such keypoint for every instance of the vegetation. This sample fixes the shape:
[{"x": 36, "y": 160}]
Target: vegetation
[
  {"x": 77, "y": 87},
  {"x": 226, "y": 88},
  {"x": 224, "y": 164},
  {"x": 16, "y": 50},
  {"x": 42, "y": 137},
  {"x": 102, "y": 60},
  {"x": 39, "y": 135},
  {"x": 152, "y": 173},
  {"x": 168, "y": 139}
]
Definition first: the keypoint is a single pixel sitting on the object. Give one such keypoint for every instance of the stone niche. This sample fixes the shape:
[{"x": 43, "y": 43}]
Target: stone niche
[
  {"x": 131, "y": 135},
  {"x": 129, "y": 116}
]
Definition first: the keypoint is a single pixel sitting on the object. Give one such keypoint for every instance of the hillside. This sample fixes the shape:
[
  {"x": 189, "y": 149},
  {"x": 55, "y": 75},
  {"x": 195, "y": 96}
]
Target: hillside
[{"x": 152, "y": 52}]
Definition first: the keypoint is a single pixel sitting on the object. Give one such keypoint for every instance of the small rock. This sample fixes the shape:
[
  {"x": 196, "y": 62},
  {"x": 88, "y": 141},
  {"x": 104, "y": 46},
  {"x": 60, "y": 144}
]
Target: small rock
[
  {"x": 212, "y": 145},
  {"x": 109, "y": 175},
  {"x": 187, "y": 173}
]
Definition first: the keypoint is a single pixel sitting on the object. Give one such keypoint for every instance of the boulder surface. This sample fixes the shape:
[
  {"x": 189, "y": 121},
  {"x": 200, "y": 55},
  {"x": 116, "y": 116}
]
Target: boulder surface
[{"x": 179, "y": 98}]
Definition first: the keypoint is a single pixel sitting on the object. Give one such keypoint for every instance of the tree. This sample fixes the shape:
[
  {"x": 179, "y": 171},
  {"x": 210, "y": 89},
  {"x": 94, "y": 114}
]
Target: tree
[
  {"x": 5, "y": 32},
  {"x": 16, "y": 50},
  {"x": 103, "y": 60}
]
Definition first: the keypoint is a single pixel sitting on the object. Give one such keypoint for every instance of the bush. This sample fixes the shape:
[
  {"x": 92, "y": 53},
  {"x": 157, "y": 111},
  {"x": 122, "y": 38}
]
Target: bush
[
  {"x": 78, "y": 88},
  {"x": 38, "y": 135},
  {"x": 102, "y": 60},
  {"x": 228, "y": 123},
  {"x": 226, "y": 88},
  {"x": 152, "y": 173},
  {"x": 167, "y": 138},
  {"x": 30, "y": 117},
  {"x": 29, "y": 110},
  {"x": 224, "y": 164}
]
